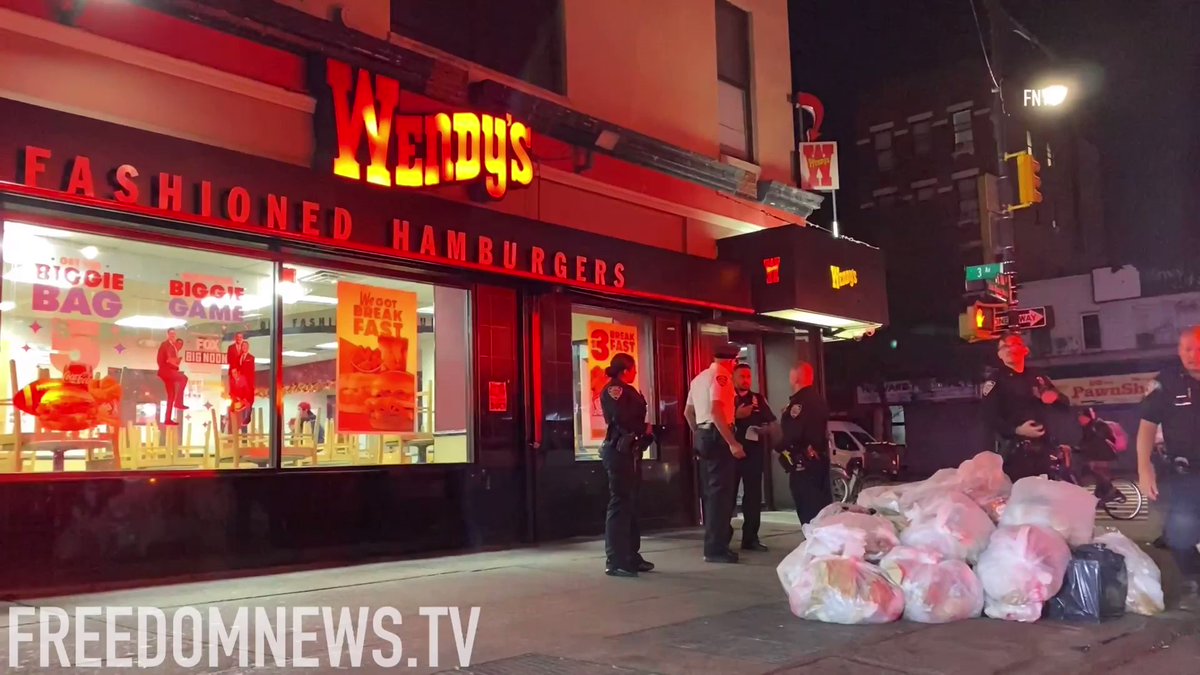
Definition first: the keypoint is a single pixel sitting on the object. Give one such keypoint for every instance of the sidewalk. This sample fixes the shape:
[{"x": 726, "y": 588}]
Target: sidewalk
[{"x": 552, "y": 610}]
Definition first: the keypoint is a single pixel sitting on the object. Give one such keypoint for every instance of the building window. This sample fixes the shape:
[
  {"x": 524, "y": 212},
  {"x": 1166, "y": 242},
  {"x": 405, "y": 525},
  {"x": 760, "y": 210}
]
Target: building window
[
  {"x": 521, "y": 38},
  {"x": 968, "y": 201},
  {"x": 597, "y": 334},
  {"x": 733, "y": 82},
  {"x": 373, "y": 370},
  {"x": 884, "y": 154},
  {"x": 964, "y": 137},
  {"x": 1091, "y": 331},
  {"x": 1040, "y": 343},
  {"x": 921, "y": 138},
  {"x": 926, "y": 193},
  {"x": 116, "y": 353}
]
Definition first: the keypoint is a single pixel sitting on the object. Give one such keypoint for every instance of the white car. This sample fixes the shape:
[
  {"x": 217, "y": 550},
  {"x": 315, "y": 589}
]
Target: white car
[{"x": 847, "y": 441}]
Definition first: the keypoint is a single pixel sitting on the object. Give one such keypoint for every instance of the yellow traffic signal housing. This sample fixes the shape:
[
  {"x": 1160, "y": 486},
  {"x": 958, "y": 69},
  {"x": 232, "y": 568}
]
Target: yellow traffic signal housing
[
  {"x": 978, "y": 322},
  {"x": 1029, "y": 180}
]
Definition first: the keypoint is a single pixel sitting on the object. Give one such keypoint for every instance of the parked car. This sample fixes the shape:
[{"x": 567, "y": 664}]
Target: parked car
[{"x": 859, "y": 460}]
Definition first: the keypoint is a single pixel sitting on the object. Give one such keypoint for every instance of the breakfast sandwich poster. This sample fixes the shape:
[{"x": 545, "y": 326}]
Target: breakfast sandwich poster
[
  {"x": 605, "y": 340},
  {"x": 376, "y": 359}
]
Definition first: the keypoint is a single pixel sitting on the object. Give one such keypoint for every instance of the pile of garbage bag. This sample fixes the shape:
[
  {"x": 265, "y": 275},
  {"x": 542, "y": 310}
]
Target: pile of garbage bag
[{"x": 964, "y": 543}]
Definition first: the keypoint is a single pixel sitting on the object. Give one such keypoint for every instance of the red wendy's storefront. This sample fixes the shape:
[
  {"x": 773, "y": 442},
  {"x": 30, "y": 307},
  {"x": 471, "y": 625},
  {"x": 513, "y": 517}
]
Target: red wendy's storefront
[{"x": 216, "y": 362}]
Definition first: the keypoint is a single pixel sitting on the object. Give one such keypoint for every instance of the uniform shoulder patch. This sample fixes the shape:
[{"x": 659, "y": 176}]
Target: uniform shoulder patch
[
  {"x": 615, "y": 392},
  {"x": 988, "y": 387},
  {"x": 796, "y": 410},
  {"x": 723, "y": 380}
]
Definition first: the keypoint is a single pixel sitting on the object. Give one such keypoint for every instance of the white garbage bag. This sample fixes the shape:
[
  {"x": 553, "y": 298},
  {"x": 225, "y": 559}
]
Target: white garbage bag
[
  {"x": 838, "y": 507},
  {"x": 793, "y": 565},
  {"x": 935, "y": 590},
  {"x": 1145, "y": 594},
  {"x": 1022, "y": 567},
  {"x": 846, "y": 591},
  {"x": 1063, "y": 507},
  {"x": 945, "y": 480},
  {"x": 950, "y": 524},
  {"x": 982, "y": 478},
  {"x": 856, "y": 535},
  {"x": 883, "y": 498}
]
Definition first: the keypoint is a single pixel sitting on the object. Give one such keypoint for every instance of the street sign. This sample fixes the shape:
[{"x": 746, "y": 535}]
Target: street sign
[
  {"x": 984, "y": 272},
  {"x": 1026, "y": 318}
]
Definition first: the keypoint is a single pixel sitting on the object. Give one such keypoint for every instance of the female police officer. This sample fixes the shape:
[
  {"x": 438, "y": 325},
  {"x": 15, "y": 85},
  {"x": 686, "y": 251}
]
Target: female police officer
[{"x": 625, "y": 416}]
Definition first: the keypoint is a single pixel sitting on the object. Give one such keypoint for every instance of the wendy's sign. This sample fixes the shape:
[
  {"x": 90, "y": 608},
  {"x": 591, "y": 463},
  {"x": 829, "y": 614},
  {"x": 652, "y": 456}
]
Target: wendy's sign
[
  {"x": 361, "y": 135},
  {"x": 78, "y": 159}
]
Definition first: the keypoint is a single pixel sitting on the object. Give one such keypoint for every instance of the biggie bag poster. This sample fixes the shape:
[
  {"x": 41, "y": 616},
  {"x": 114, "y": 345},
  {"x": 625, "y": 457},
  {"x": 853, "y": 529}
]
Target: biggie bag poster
[
  {"x": 605, "y": 340},
  {"x": 376, "y": 359}
]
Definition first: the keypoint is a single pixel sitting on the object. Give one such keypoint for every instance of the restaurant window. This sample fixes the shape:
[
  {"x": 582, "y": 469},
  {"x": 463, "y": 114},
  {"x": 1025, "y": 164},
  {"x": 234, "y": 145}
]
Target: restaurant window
[
  {"x": 733, "y": 82},
  {"x": 884, "y": 154},
  {"x": 520, "y": 38},
  {"x": 597, "y": 334},
  {"x": 921, "y": 138},
  {"x": 375, "y": 370},
  {"x": 964, "y": 136},
  {"x": 115, "y": 352}
]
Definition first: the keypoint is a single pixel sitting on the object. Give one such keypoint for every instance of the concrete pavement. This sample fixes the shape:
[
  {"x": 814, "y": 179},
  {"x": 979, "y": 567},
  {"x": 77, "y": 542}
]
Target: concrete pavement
[{"x": 552, "y": 610}]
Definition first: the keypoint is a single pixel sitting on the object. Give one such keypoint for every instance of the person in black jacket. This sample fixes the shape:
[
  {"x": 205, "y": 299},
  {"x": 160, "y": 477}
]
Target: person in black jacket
[
  {"x": 804, "y": 452},
  {"x": 1017, "y": 403},
  {"x": 624, "y": 410},
  {"x": 751, "y": 414}
]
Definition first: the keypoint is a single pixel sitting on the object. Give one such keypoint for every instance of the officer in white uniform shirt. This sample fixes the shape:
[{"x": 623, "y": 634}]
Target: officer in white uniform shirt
[{"x": 710, "y": 414}]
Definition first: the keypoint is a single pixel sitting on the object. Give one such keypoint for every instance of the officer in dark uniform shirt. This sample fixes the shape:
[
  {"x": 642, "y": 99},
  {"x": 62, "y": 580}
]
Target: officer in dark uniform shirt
[
  {"x": 1174, "y": 402},
  {"x": 1016, "y": 407},
  {"x": 624, "y": 410},
  {"x": 751, "y": 414},
  {"x": 804, "y": 452}
]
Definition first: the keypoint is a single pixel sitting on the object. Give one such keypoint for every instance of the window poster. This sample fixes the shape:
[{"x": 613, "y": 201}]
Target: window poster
[
  {"x": 376, "y": 359},
  {"x": 604, "y": 340}
]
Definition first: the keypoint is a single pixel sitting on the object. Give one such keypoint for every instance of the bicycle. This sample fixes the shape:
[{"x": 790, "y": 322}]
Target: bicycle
[
  {"x": 1126, "y": 501},
  {"x": 882, "y": 467}
]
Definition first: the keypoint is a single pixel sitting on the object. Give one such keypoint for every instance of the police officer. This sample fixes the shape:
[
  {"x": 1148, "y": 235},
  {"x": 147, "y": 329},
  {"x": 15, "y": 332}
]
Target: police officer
[
  {"x": 1174, "y": 402},
  {"x": 624, "y": 410},
  {"x": 1017, "y": 403},
  {"x": 752, "y": 414},
  {"x": 710, "y": 414},
  {"x": 804, "y": 452}
]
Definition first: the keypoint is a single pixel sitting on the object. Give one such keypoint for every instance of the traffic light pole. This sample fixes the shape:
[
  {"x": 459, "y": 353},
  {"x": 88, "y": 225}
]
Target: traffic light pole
[{"x": 1004, "y": 217}]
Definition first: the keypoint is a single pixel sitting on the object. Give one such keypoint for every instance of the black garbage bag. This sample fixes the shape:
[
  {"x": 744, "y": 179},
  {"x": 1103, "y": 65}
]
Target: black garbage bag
[{"x": 1094, "y": 586}]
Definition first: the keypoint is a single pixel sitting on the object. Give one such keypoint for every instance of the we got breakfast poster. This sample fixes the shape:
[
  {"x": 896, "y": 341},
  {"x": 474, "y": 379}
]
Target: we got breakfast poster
[{"x": 376, "y": 359}]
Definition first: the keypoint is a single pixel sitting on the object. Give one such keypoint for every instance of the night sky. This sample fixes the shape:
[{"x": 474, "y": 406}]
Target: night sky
[{"x": 1142, "y": 107}]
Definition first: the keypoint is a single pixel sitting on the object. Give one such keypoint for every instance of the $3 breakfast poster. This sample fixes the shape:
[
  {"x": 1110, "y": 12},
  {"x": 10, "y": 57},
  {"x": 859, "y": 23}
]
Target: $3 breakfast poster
[
  {"x": 605, "y": 340},
  {"x": 376, "y": 359}
]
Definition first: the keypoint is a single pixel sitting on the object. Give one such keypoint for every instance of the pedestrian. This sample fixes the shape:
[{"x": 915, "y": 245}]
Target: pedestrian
[
  {"x": 710, "y": 414},
  {"x": 1017, "y": 403},
  {"x": 1098, "y": 449},
  {"x": 624, "y": 410},
  {"x": 804, "y": 452},
  {"x": 752, "y": 414},
  {"x": 1173, "y": 401}
]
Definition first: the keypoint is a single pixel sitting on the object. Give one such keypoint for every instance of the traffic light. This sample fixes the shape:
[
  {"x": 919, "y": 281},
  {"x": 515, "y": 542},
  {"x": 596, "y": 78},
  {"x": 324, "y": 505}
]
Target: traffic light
[
  {"x": 979, "y": 321},
  {"x": 1029, "y": 180}
]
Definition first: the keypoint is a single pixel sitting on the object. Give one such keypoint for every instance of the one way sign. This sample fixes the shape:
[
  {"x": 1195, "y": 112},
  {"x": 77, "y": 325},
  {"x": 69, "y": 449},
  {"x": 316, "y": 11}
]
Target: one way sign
[{"x": 1025, "y": 318}]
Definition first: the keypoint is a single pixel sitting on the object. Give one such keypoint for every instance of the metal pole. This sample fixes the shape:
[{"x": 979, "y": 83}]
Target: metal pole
[
  {"x": 1003, "y": 219},
  {"x": 836, "y": 228}
]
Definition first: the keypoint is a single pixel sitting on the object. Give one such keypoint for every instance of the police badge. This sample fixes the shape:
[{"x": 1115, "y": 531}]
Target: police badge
[
  {"x": 796, "y": 410},
  {"x": 614, "y": 392}
]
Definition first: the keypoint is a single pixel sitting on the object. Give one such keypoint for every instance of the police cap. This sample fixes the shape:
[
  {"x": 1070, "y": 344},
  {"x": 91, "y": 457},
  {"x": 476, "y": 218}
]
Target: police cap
[{"x": 729, "y": 350}]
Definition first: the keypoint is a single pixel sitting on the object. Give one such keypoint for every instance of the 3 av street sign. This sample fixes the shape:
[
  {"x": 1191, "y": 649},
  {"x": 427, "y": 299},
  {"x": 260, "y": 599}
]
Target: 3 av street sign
[
  {"x": 1026, "y": 318},
  {"x": 984, "y": 272}
]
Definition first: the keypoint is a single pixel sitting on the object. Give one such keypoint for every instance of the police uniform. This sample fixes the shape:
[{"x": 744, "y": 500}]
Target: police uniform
[
  {"x": 804, "y": 452},
  {"x": 624, "y": 410},
  {"x": 718, "y": 469},
  {"x": 750, "y": 468},
  {"x": 1009, "y": 400},
  {"x": 1174, "y": 402}
]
